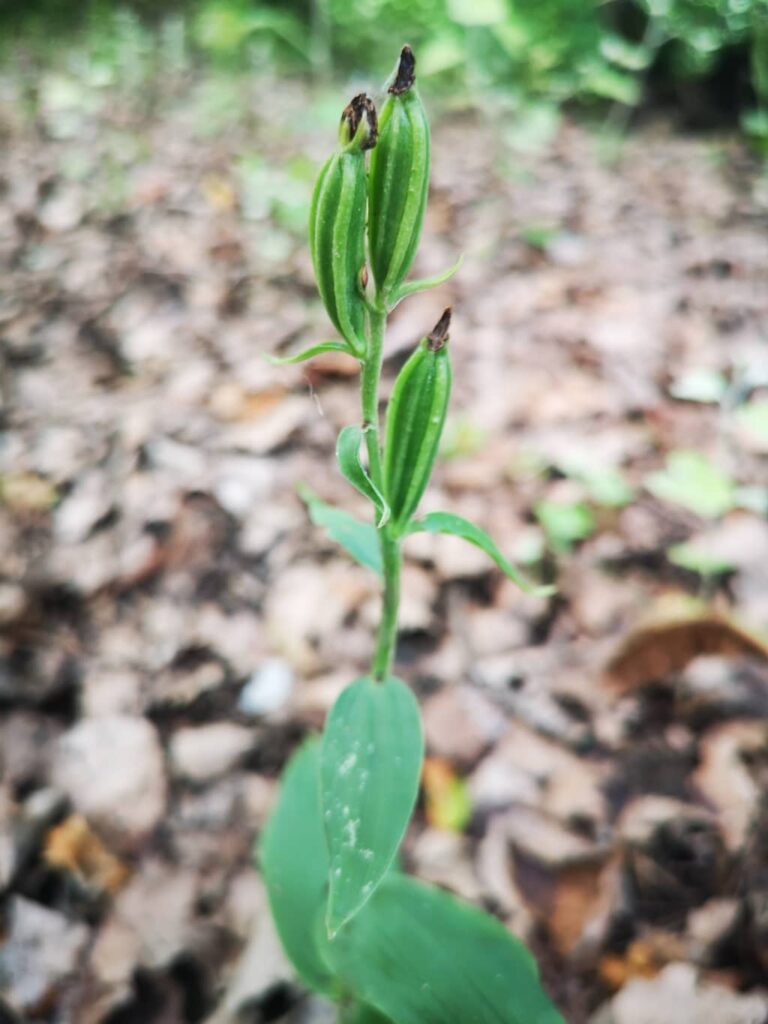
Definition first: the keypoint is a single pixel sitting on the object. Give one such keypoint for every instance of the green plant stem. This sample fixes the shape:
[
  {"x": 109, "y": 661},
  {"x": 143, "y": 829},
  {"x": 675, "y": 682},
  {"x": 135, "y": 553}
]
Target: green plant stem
[
  {"x": 390, "y": 545},
  {"x": 370, "y": 393},
  {"x": 387, "y": 635}
]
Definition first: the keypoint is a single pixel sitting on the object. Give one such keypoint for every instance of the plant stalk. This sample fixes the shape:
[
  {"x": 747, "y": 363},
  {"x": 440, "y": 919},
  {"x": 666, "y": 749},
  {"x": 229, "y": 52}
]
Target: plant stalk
[
  {"x": 390, "y": 546},
  {"x": 370, "y": 393},
  {"x": 387, "y": 635}
]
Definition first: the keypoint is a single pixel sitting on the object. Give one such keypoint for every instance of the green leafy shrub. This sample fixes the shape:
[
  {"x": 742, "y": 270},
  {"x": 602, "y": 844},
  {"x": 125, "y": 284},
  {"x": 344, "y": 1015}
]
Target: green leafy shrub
[{"x": 548, "y": 51}]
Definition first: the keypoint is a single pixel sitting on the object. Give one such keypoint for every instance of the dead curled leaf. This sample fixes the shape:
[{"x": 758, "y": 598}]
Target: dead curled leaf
[
  {"x": 565, "y": 881},
  {"x": 447, "y": 801},
  {"x": 581, "y": 902},
  {"x": 572, "y": 901},
  {"x": 73, "y": 847},
  {"x": 643, "y": 958},
  {"x": 667, "y": 643}
]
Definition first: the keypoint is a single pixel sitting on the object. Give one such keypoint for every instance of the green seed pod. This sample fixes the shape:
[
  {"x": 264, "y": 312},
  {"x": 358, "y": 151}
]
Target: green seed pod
[
  {"x": 337, "y": 224},
  {"x": 398, "y": 180},
  {"x": 415, "y": 420}
]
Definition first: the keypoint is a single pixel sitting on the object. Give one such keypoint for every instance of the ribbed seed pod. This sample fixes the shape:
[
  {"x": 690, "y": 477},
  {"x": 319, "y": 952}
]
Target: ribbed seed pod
[
  {"x": 337, "y": 223},
  {"x": 398, "y": 180},
  {"x": 415, "y": 420}
]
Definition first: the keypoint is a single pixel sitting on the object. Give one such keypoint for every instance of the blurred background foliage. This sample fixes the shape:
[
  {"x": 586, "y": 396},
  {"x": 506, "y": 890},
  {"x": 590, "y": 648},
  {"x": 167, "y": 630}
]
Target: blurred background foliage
[{"x": 705, "y": 59}]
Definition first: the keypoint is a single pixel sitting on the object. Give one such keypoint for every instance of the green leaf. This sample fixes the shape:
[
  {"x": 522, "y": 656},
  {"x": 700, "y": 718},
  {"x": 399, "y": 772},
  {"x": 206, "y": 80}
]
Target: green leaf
[
  {"x": 565, "y": 523},
  {"x": 348, "y": 456},
  {"x": 477, "y": 12},
  {"x": 630, "y": 56},
  {"x": 461, "y": 438},
  {"x": 608, "y": 487},
  {"x": 539, "y": 236},
  {"x": 370, "y": 768},
  {"x": 309, "y": 353},
  {"x": 294, "y": 863},
  {"x": 696, "y": 558},
  {"x": 446, "y": 522},
  {"x": 446, "y": 795},
  {"x": 444, "y": 51},
  {"x": 357, "y": 538},
  {"x": 753, "y": 416},
  {"x": 605, "y": 81},
  {"x": 690, "y": 479},
  {"x": 424, "y": 283},
  {"x": 604, "y": 484},
  {"x": 422, "y": 957},
  {"x": 754, "y": 123},
  {"x": 285, "y": 26},
  {"x": 222, "y": 28}
]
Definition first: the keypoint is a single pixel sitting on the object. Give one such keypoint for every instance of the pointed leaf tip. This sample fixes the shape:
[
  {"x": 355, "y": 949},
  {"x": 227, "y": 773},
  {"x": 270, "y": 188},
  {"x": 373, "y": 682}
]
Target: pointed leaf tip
[
  {"x": 423, "y": 284},
  {"x": 457, "y": 526},
  {"x": 311, "y": 352}
]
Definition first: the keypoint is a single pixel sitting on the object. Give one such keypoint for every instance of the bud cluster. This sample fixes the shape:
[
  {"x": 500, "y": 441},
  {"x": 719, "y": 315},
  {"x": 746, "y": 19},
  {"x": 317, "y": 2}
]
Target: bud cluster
[
  {"x": 388, "y": 198},
  {"x": 384, "y": 203}
]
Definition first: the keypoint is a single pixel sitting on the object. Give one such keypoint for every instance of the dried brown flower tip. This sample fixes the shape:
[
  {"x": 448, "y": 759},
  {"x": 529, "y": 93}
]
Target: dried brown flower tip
[
  {"x": 358, "y": 107},
  {"x": 438, "y": 336},
  {"x": 406, "y": 72}
]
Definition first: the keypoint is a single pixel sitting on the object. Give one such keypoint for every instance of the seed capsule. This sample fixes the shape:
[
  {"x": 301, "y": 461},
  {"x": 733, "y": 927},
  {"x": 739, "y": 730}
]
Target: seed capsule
[
  {"x": 398, "y": 180},
  {"x": 415, "y": 420},
  {"x": 337, "y": 223}
]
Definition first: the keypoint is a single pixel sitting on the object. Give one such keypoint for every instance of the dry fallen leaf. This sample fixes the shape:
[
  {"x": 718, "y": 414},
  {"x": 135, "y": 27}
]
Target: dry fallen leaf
[
  {"x": 643, "y": 958},
  {"x": 723, "y": 777},
  {"x": 448, "y": 803},
  {"x": 219, "y": 192},
  {"x": 582, "y": 896},
  {"x": 231, "y": 402},
  {"x": 73, "y": 847},
  {"x": 673, "y": 637},
  {"x": 564, "y": 882},
  {"x": 27, "y": 492}
]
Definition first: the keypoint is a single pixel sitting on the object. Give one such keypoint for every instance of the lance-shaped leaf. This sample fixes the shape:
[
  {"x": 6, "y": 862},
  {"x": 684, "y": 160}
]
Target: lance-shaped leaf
[
  {"x": 446, "y": 522},
  {"x": 294, "y": 862},
  {"x": 370, "y": 768},
  {"x": 348, "y": 456},
  {"x": 422, "y": 957},
  {"x": 311, "y": 352},
  {"x": 424, "y": 283},
  {"x": 359, "y": 539}
]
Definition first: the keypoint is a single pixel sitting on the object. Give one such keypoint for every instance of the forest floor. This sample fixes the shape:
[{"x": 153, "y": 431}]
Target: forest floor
[{"x": 171, "y": 624}]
